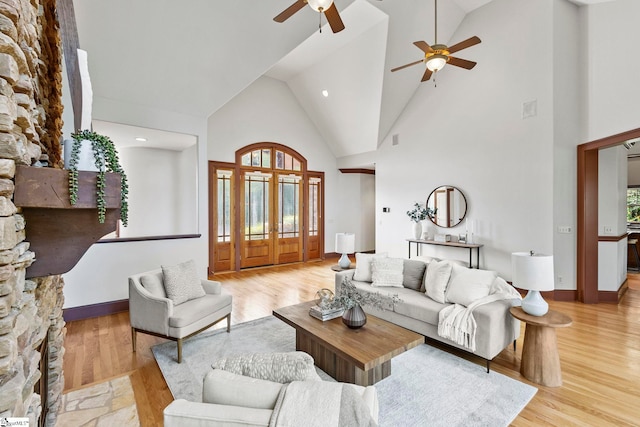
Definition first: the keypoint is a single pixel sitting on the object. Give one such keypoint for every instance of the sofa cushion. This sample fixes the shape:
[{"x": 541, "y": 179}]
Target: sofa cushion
[
  {"x": 278, "y": 367},
  {"x": 226, "y": 388},
  {"x": 153, "y": 284},
  {"x": 387, "y": 272},
  {"x": 196, "y": 309},
  {"x": 363, "y": 266},
  {"x": 413, "y": 273},
  {"x": 181, "y": 282},
  {"x": 417, "y": 306},
  {"x": 436, "y": 280},
  {"x": 469, "y": 284}
]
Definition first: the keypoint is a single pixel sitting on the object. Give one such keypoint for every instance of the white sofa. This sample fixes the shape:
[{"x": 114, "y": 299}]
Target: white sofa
[
  {"x": 231, "y": 400},
  {"x": 417, "y": 311}
]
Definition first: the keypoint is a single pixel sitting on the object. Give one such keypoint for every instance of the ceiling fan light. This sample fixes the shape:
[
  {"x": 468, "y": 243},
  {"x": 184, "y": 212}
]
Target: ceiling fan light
[
  {"x": 436, "y": 62},
  {"x": 320, "y": 5}
]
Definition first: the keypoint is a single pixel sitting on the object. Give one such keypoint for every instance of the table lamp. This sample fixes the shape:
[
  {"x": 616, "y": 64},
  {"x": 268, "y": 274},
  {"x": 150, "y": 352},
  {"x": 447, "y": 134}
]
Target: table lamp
[
  {"x": 533, "y": 272},
  {"x": 345, "y": 244}
]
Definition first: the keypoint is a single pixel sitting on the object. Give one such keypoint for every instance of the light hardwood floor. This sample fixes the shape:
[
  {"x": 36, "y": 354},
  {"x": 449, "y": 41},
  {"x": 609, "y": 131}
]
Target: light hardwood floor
[{"x": 600, "y": 352}]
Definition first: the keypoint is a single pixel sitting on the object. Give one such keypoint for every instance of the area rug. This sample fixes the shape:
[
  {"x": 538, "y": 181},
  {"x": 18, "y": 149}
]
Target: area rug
[
  {"x": 427, "y": 386},
  {"x": 107, "y": 403}
]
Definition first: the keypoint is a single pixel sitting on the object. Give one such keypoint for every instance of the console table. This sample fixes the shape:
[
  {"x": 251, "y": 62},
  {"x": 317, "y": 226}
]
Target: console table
[{"x": 470, "y": 246}]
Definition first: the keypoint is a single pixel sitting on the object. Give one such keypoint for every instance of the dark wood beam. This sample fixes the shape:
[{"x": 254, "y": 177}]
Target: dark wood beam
[
  {"x": 70, "y": 46},
  {"x": 358, "y": 170}
]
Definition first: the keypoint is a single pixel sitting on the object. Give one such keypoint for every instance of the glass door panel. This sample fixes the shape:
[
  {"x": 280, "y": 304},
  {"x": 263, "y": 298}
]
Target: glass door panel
[
  {"x": 314, "y": 250},
  {"x": 255, "y": 236},
  {"x": 289, "y": 230}
]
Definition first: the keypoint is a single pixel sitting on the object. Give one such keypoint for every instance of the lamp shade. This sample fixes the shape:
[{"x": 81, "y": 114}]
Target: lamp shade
[
  {"x": 320, "y": 5},
  {"x": 345, "y": 243},
  {"x": 436, "y": 62},
  {"x": 532, "y": 272}
]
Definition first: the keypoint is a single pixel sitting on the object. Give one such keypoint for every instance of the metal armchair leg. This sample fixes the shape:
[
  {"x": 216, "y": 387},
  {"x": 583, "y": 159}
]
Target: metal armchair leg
[
  {"x": 229, "y": 322},
  {"x": 133, "y": 339},
  {"x": 179, "y": 350}
]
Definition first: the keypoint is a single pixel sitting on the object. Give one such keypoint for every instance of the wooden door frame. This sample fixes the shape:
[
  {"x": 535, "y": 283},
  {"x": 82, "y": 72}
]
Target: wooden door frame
[{"x": 587, "y": 225}]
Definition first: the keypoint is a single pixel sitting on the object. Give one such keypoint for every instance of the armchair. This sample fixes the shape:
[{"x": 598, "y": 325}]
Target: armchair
[
  {"x": 230, "y": 399},
  {"x": 153, "y": 313}
]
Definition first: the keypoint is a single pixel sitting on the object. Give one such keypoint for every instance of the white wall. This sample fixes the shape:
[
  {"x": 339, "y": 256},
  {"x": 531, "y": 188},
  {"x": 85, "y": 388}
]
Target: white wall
[
  {"x": 163, "y": 193},
  {"x": 268, "y": 111},
  {"x": 568, "y": 131},
  {"x": 468, "y": 132},
  {"x": 101, "y": 274},
  {"x": 613, "y": 90}
]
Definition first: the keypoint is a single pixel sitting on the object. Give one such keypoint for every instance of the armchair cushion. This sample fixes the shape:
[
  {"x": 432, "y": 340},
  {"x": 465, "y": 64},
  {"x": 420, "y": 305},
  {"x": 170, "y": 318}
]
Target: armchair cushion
[
  {"x": 153, "y": 283},
  {"x": 226, "y": 388},
  {"x": 181, "y": 282},
  {"x": 196, "y": 309},
  {"x": 278, "y": 367}
]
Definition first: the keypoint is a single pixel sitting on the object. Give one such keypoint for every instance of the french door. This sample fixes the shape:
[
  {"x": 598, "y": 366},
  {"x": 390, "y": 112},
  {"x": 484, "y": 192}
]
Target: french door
[{"x": 263, "y": 215}]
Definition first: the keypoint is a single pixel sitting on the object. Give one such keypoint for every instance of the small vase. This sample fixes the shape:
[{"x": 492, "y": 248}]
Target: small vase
[
  {"x": 417, "y": 230},
  {"x": 355, "y": 317}
]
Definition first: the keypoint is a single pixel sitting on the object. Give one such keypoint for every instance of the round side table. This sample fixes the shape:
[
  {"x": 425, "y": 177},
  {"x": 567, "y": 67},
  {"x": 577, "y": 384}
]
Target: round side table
[
  {"x": 540, "y": 359},
  {"x": 336, "y": 267}
]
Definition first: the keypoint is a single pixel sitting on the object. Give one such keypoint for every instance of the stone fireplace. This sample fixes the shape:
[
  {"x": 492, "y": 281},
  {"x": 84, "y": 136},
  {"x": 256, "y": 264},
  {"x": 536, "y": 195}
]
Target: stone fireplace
[{"x": 30, "y": 129}]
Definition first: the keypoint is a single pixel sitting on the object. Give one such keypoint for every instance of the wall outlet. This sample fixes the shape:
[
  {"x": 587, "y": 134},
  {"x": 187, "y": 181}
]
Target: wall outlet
[
  {"x": 564, "y": 229},
  {"x": 608, "y": 229},
  {"x": 559, "y": 279}
]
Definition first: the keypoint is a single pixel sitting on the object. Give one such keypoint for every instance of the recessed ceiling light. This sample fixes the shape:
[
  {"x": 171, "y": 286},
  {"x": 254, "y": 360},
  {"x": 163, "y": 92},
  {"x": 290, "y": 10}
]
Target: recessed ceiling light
[
  {"x": 325, "y": 93},
  {"x": 139, "y": 138}
]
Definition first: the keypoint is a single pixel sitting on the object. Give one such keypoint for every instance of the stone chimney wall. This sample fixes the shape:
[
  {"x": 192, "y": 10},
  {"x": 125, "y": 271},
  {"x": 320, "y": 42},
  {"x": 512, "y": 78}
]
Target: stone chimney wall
[{"x": 30, "y": 129}]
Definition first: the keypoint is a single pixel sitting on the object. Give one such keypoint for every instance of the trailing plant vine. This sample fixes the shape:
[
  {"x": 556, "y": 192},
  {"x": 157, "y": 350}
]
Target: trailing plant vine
[{"x": 106, "y": 160}]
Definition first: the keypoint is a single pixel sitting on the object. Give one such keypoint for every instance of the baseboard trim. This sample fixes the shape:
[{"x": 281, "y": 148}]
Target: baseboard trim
[
  {"x": 95, "y": 310},
  {"x": 566, "y": 295}
]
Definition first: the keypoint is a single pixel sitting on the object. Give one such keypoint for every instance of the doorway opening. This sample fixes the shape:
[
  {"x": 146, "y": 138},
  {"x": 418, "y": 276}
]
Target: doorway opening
[{"x": 587, "y": 226}]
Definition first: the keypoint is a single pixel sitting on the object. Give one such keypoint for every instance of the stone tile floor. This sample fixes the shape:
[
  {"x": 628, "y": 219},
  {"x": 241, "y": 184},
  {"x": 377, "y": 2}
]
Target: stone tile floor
[{"x": 109, "y": 403}]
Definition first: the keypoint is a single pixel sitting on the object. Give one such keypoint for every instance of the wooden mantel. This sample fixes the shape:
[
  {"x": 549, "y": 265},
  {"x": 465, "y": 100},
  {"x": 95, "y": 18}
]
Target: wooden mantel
[{"x": 59, "y": 233}]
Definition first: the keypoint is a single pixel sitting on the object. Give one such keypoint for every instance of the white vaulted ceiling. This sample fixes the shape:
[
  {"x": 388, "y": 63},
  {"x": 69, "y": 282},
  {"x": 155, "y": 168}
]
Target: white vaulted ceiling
[{"x": 192, "y": 57}]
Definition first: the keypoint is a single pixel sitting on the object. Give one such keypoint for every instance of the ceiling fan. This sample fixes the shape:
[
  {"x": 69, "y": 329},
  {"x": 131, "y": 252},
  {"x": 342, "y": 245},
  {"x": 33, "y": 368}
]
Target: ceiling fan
[
  {"x": 322, "y": 6},
  {"x": 438, "y": 55}
]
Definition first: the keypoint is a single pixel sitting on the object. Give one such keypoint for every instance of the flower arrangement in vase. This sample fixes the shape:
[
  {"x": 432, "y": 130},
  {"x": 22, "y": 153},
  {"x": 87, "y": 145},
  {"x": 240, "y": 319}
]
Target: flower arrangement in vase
[
  {"x": 419, "y": 213},
  {"x": 352, "y": 301}
]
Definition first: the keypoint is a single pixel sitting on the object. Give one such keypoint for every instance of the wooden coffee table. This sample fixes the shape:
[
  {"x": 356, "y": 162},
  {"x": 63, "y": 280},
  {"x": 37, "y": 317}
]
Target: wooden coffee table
[{"x": 359, "y": 356}]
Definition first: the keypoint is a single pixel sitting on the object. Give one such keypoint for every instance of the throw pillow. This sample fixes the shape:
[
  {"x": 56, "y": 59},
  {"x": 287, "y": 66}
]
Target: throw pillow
[
  {"x": 181, "y": 282},
  {"x": 413, "y": 274},
  {"x": 153, "y": 284},
  {"x": 387, "y": 272},
  {"x": 436, "y": 280},
  {"x": 363, "y": 266},
  {"x": 278, "y": 367},
  {"x": 469, "y": 284}
]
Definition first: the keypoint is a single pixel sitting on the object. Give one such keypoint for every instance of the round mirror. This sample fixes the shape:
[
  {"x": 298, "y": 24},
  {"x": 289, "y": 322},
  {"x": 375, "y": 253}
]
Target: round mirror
[{"x": 449, "y": 205}]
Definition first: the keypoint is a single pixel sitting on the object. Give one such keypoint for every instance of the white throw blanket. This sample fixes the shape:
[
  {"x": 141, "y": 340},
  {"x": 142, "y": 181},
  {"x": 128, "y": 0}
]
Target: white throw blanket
[
  {"x": 320, "y": 404},
  {"x": 456, "y": 322}
]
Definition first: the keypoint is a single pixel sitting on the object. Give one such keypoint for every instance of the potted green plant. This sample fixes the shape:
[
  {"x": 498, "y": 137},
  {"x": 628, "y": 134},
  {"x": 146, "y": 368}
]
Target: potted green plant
[
  {"x": 419, "y": 213},
  {"x": 352, "y": 301},
  {"x": 106, "y": 160}
]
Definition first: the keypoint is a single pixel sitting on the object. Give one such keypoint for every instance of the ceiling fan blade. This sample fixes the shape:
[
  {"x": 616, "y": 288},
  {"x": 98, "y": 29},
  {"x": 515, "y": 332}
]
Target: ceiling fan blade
[
  {"x": 464, "y": 44},
  {"x": 423, "y": 46},
  {"x": 406, "y": 65},
  {"x": 427, "y": 75},
  {"x": 288, "y": 12},
  {"x": 333, "y": 17},
  {"x": 462, "y": 63}
]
